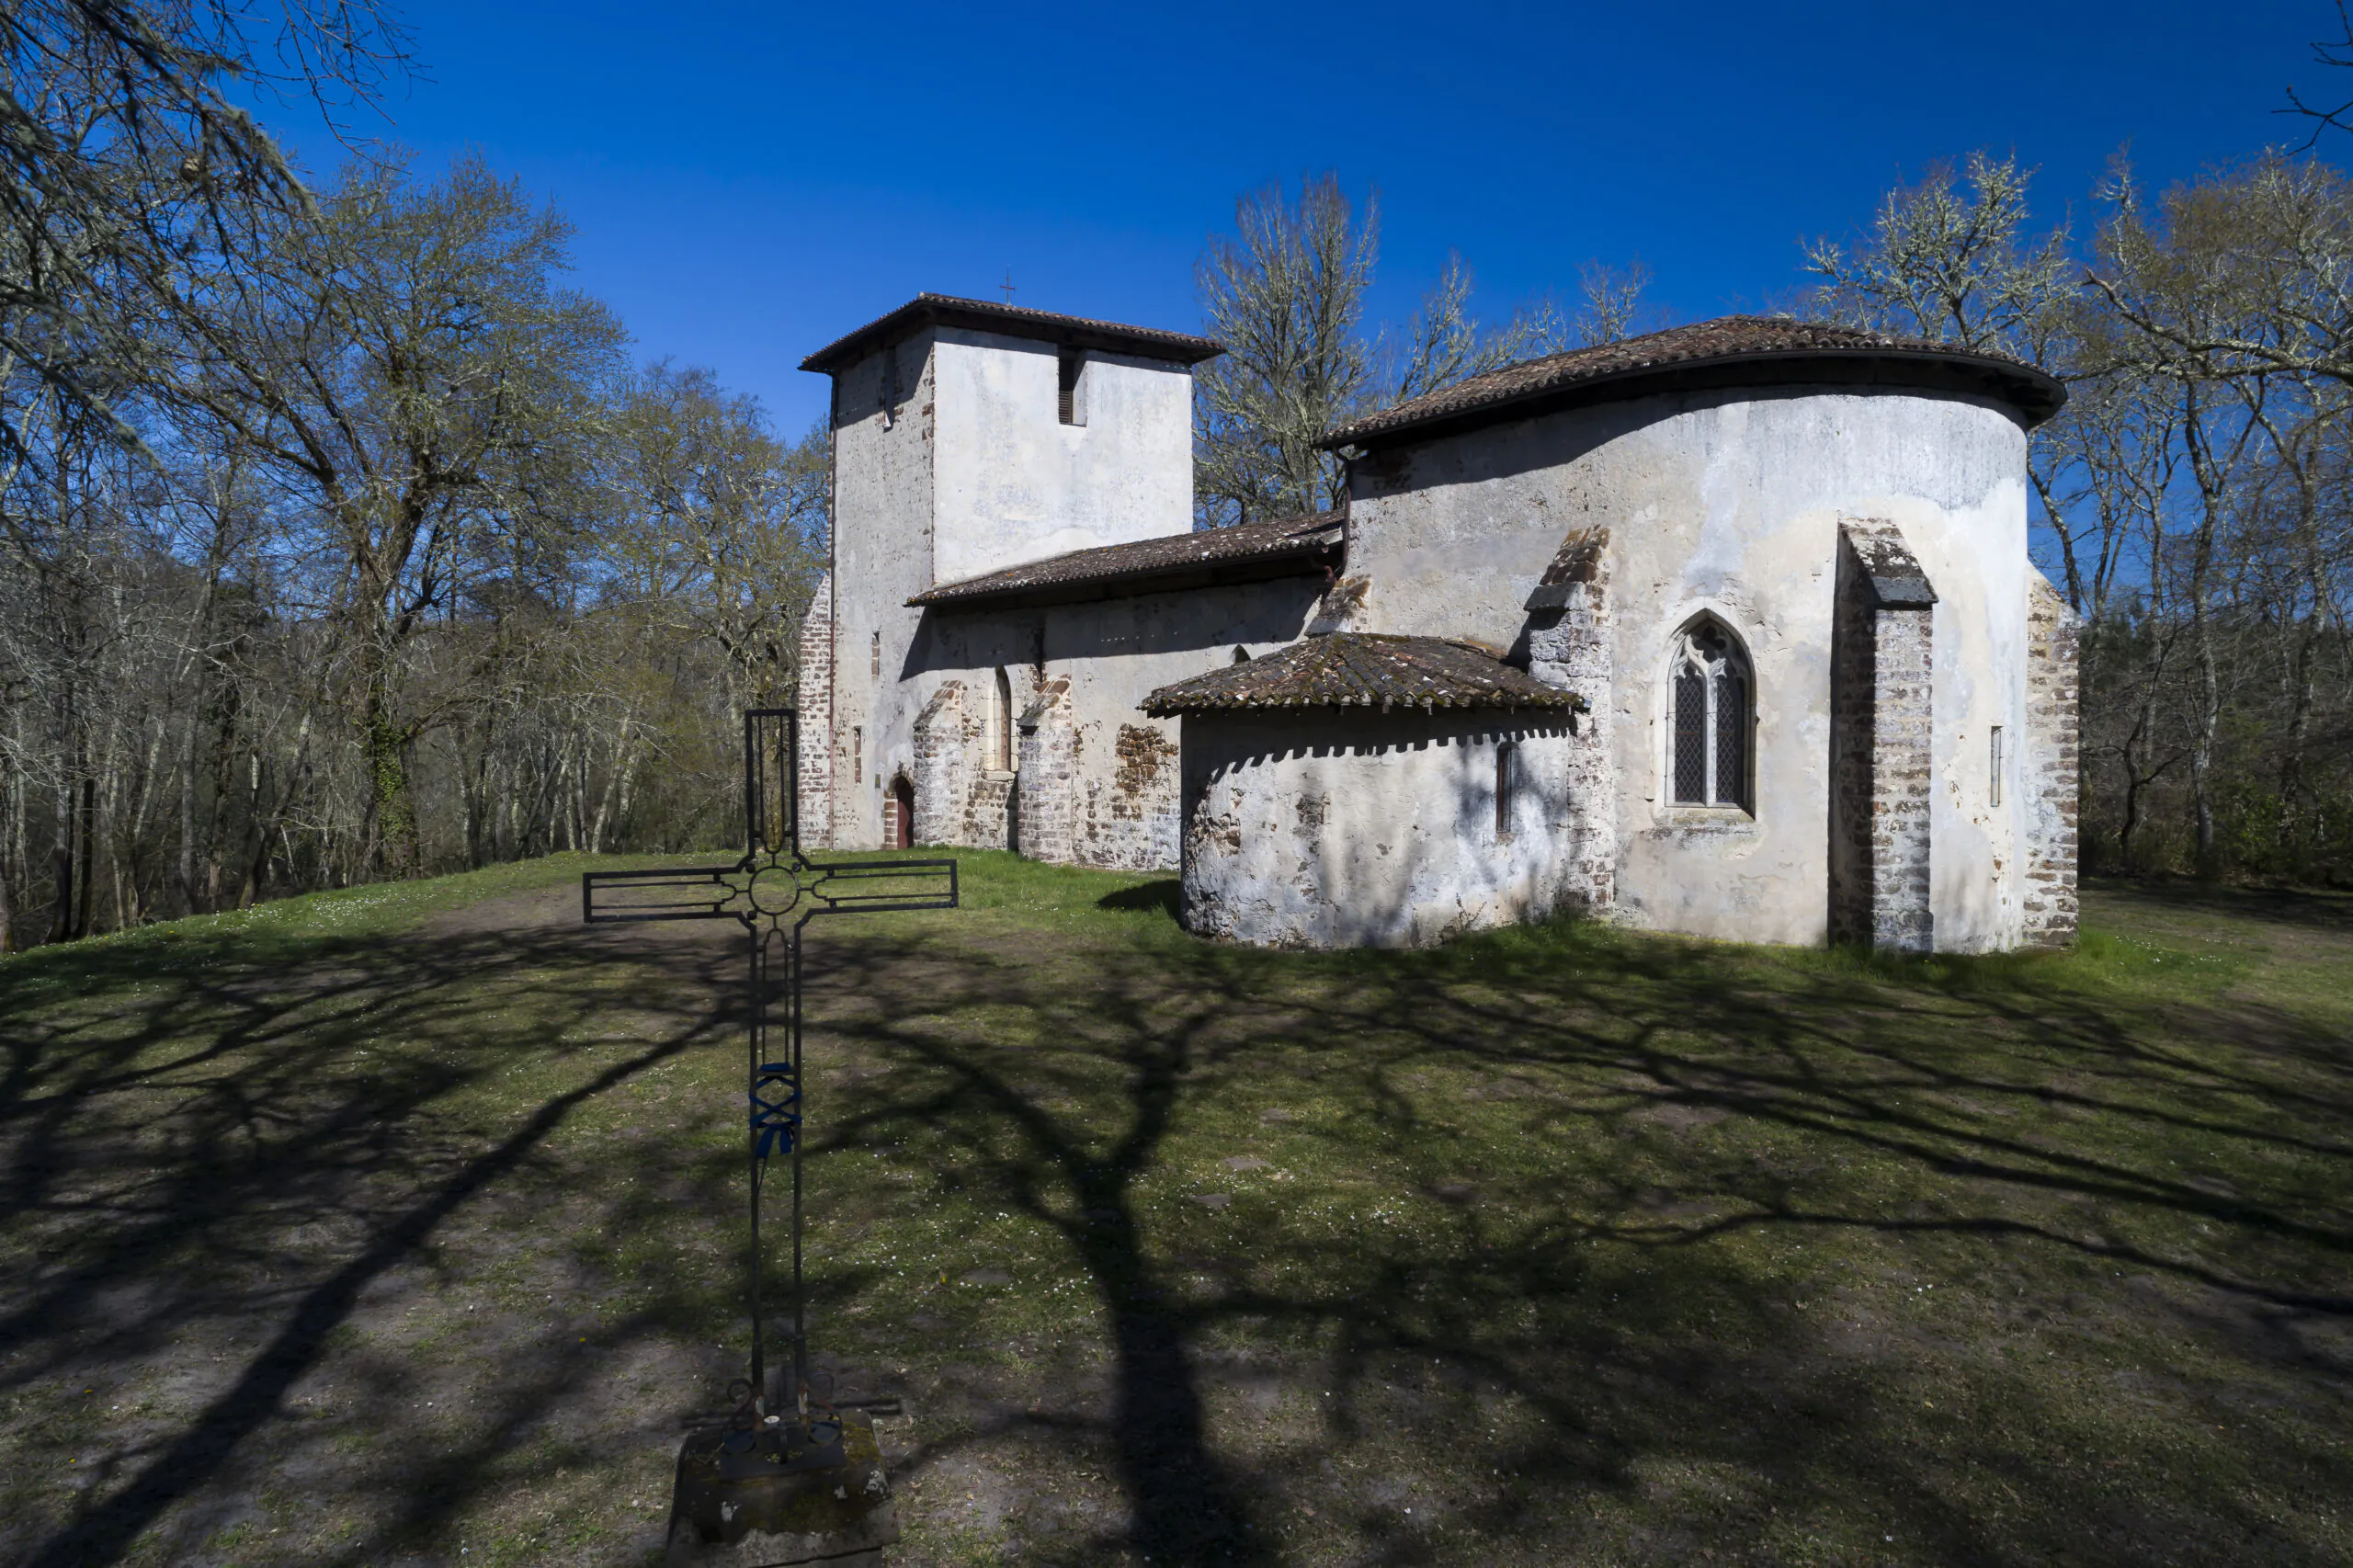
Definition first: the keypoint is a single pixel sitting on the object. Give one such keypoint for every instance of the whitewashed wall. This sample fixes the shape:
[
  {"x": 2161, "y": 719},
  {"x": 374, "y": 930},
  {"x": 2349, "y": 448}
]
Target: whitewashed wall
[
  {"x": 883, "y": 555},
  {"x": 970, "y": 472},
  {"x": 1016, "y": 484},
  {"x": 1729, "y": 503},
  {"x": 1345, "y": 827}
]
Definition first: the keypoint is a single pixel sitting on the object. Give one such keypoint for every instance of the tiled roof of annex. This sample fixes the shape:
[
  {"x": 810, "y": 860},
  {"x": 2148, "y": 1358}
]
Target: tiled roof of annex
[
  {"x": 1363, "y": 669},
  {"x": 1248, "y": 552},
  {"x": 1014, "y": 320},
  {"x": 1728, "y": 341}
]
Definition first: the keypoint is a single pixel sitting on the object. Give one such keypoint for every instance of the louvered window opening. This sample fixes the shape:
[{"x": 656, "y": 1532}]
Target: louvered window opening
[
  {"x": 1066, "y": 405},
  {"x": 1711, "y": 727}
]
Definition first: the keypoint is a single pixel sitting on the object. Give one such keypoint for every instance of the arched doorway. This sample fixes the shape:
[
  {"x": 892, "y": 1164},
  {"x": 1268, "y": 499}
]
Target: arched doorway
[{"x": 899, "y": 831}]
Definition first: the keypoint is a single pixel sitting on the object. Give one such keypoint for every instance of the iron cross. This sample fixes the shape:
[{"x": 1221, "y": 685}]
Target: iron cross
[{"x": 773, "y": 892}]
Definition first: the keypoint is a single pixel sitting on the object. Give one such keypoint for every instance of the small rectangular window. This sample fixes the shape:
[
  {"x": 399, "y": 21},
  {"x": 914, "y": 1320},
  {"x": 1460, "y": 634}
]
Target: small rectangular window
[
  {"x": 858, "y": 751},
  {"x": 1071, "y": 402},
  {"x": 1993, "y": 791},
  {"x": 874, "y": 658}
]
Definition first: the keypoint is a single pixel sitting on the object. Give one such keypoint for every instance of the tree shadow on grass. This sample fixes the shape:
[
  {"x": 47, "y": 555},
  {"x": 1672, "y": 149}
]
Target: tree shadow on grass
[
  {"x": 1542, "y": 1264},
  {"x": 257, "y": 1145},
  {"x": 2023, "y": 1141}
]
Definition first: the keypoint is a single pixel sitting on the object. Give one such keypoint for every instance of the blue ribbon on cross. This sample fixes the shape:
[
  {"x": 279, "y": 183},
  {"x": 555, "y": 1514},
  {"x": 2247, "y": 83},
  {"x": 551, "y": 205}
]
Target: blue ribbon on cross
[{"x": 775, "y": 1122}]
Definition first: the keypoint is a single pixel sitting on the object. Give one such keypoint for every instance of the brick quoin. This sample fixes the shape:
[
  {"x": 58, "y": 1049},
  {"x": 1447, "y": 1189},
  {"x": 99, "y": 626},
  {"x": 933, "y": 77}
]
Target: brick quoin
[
  {"x": 2053, "y": 762},
  {"x": 816, "y": 704}
]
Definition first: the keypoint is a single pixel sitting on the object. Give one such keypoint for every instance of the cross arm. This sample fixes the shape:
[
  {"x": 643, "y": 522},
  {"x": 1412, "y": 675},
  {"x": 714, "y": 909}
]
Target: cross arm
[
  {"x": 876, "y": 887},
  {"x": 679, "y": 893}
]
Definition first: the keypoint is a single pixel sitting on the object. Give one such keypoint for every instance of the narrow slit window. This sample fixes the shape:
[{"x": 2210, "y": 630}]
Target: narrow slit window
[
  {"x": 1506, "y": 756},
  {"x": 856, "y": 752},
  {"x": 874, "y": 656},
  {"x": 1993, "y": 788},
  {"x": 1003, "y": 738},
  {"x": 1070, "y": 403},
  {"x": 1713, "y": 699}
]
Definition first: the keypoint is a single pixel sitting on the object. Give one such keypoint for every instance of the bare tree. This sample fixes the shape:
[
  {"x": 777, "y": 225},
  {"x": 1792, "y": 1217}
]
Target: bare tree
[
  {"x": 123, "y": 164},
  {"x": 1285, "y": 293},
  {"x": 1609, "y": 303},
  {"x": 412, "y": 378},
  {"x": 722, "y": 525},
  {"x": 1951, "y": 259},
  {"x": 2333, "y": 54}
]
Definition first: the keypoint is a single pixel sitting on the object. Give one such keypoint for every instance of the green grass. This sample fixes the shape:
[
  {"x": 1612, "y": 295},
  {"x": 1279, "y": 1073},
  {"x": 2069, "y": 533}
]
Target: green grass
[{"x": 401, "y": 1224}]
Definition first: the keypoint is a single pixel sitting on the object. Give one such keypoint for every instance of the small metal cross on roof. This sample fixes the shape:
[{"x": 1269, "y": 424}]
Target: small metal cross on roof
[
  {"x": 773, "y": 892},
  {"x": 1007, "y": 285}
]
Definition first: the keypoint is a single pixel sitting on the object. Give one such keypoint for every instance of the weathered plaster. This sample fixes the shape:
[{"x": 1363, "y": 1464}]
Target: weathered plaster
[
  {"x": 1729, "y": 503},
  {"x": 882, "y": 551},
  {"x": 967, "y": 471},
  {"x": 1016, "y": 484},
  {"x": 1109, "y": 784},
  {"x": 1342, "y": 827}
]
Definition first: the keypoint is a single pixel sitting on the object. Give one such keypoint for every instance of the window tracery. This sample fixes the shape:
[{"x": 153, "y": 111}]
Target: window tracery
[{"x": 1712, "y": 694}]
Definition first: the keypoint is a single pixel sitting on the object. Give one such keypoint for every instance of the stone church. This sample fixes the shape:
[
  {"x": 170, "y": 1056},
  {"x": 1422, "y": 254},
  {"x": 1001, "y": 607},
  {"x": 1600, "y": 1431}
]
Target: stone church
[{"x": 1728, "y": 629}]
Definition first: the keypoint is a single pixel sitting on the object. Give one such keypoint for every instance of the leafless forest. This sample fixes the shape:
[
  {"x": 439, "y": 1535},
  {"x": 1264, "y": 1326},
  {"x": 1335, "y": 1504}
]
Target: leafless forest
[
  {"x": 345, "y": 540},
  {"x": 2191, "y": 500}
]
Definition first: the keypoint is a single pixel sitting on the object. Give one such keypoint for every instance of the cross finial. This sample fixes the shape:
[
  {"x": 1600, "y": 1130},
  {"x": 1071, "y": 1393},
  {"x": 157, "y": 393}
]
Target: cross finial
[{"x": 1007, "y": 285}]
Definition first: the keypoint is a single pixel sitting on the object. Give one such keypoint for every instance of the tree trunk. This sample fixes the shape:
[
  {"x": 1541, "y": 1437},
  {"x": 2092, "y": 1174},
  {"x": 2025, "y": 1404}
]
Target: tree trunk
[{"x": 89, "y": 852}]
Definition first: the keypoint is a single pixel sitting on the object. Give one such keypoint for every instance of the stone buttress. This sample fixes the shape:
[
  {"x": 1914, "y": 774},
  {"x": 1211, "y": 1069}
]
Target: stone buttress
[
  {"x": 1569, "y": 647},
  {"x": 1881, "y": 686}
]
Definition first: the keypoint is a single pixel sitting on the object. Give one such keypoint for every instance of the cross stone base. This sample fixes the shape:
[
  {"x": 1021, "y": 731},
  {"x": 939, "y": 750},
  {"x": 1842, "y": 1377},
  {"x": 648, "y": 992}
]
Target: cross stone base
[{"x": 722, "y": 1517}]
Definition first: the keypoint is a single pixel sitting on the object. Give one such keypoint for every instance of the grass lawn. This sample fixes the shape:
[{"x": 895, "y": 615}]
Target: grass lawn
[{"x": 400, "y": 1227}]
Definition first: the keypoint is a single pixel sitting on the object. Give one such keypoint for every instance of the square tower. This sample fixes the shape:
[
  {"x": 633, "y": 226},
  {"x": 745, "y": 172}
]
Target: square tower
[{"x": 968, "y": 437}]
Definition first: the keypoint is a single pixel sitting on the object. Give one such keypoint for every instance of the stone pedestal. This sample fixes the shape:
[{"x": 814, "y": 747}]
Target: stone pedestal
[{"x": 781, "y": 1500}]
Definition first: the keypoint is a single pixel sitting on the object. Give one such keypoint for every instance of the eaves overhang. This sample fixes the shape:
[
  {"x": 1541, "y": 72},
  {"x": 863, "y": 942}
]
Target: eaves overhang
[{"x": 2029, "y": 395}]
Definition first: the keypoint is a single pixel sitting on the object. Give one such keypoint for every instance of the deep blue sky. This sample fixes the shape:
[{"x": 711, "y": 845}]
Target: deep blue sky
[{"x": 749, "y": 182}]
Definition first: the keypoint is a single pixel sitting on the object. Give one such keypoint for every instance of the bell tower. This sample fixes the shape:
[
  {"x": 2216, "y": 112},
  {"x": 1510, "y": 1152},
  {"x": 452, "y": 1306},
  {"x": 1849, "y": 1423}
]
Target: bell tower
[{"x": 970, "y": 436}]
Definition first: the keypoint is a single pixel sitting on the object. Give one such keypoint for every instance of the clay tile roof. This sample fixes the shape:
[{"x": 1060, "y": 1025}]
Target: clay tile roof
[
  {"x": 1363, "y": 669},
  {"x": 1013, "y": 320},
  {"x": 1767, "y": 343},
  {"x": 1248, "y": 553}
]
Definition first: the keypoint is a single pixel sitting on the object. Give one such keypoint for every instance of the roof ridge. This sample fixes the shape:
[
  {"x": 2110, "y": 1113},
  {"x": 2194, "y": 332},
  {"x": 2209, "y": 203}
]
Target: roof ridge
[
  {"x": 1730, "y": 339},
  {"x": 1364, "y": 669},
  {"x": 1300, "y": 540},
  {"x": 933, "y": 309}
]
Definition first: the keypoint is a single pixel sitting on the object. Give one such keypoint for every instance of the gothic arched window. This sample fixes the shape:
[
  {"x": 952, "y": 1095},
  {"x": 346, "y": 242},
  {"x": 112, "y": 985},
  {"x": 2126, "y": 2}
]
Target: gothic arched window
[{"x": 1708, "y": 764}]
